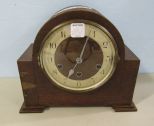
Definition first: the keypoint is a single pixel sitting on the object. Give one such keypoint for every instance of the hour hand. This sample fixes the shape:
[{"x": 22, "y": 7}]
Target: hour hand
[{"x": 71, "y": 72}]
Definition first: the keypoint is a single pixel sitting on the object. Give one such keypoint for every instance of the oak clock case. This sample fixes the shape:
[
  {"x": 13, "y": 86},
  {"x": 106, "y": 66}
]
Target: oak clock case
[{"x": 67, "y": 68}]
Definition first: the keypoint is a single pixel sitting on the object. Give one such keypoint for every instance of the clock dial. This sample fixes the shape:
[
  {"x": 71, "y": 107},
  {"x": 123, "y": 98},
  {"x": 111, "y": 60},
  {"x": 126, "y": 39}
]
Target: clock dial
[
  {"x": 79, "y": 63},
  {"x": 68, "y": 54}
]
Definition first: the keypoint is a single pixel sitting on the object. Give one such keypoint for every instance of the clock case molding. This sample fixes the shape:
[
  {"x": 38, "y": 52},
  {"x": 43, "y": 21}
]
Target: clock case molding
[{"x": 40, "y": 93}]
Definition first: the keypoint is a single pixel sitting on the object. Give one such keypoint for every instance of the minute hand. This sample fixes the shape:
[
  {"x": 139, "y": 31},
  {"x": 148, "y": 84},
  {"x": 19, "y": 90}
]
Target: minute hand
[{"x": 83, "y": 49}]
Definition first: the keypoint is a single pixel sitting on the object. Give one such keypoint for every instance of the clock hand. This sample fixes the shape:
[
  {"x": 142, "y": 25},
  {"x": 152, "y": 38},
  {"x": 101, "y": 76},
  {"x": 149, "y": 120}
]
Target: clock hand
[
  {"x": 83, "y": 49},
  {"x": 79, "y": 59},
  {"x": 71, "y": 71}
]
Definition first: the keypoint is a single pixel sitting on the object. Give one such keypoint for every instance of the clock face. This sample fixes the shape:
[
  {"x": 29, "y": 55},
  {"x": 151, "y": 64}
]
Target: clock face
[{"x": 79, "y": 60}]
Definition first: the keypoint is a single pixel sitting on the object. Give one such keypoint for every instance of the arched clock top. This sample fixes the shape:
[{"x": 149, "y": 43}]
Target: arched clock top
[{"x": 80, "y": 14}]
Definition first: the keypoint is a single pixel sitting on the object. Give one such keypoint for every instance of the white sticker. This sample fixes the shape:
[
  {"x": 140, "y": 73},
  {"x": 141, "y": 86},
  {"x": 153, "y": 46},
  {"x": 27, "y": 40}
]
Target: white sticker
[{"x": 77, "y": 30}]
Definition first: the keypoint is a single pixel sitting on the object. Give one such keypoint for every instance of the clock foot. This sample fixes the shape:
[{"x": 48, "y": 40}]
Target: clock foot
[
  {"x": 125, "y": 108},
  {"x": 31, "y": 109}
]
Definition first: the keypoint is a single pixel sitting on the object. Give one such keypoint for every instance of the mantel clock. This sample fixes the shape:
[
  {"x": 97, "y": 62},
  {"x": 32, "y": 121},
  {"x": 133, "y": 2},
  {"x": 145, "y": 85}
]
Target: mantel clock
[{"x": 78, "y": 58}]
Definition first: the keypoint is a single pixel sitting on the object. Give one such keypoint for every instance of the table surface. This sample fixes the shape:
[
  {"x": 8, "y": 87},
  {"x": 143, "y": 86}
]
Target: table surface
[{"x": 11, "y": 100}]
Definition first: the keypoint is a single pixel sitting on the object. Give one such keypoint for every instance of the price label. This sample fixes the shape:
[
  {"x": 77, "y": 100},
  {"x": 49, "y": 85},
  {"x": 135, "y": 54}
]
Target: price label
[{"x": 77, "y": 30}]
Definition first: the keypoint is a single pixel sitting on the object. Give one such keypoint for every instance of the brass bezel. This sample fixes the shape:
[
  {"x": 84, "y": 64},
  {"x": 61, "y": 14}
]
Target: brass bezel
[{"x": 103, "y": 81}]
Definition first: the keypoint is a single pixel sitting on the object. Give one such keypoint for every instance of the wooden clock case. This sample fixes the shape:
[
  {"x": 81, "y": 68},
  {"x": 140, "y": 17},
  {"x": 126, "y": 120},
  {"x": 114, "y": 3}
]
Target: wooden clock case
[{"x": 40, "y": 93}]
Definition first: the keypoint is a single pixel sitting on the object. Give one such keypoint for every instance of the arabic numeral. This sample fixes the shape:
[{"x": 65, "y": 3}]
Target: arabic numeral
[
  {"x": 78, "y": 84},
  {"x": 94, "y": 33},
  {"x": 53, "y": 45},
  {"x": 105, "y": 44},
  {"x": 63, "y": 35},
  {"x": 109, "y": 59}
]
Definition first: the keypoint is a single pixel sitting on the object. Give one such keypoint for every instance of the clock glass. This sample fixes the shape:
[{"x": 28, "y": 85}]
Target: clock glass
[{"x": 78, "y": 56}]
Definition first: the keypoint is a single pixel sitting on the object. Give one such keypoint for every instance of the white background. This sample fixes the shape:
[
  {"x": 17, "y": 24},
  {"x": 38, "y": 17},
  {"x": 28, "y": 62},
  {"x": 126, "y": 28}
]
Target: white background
[{"x": 20, "y": 21}]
